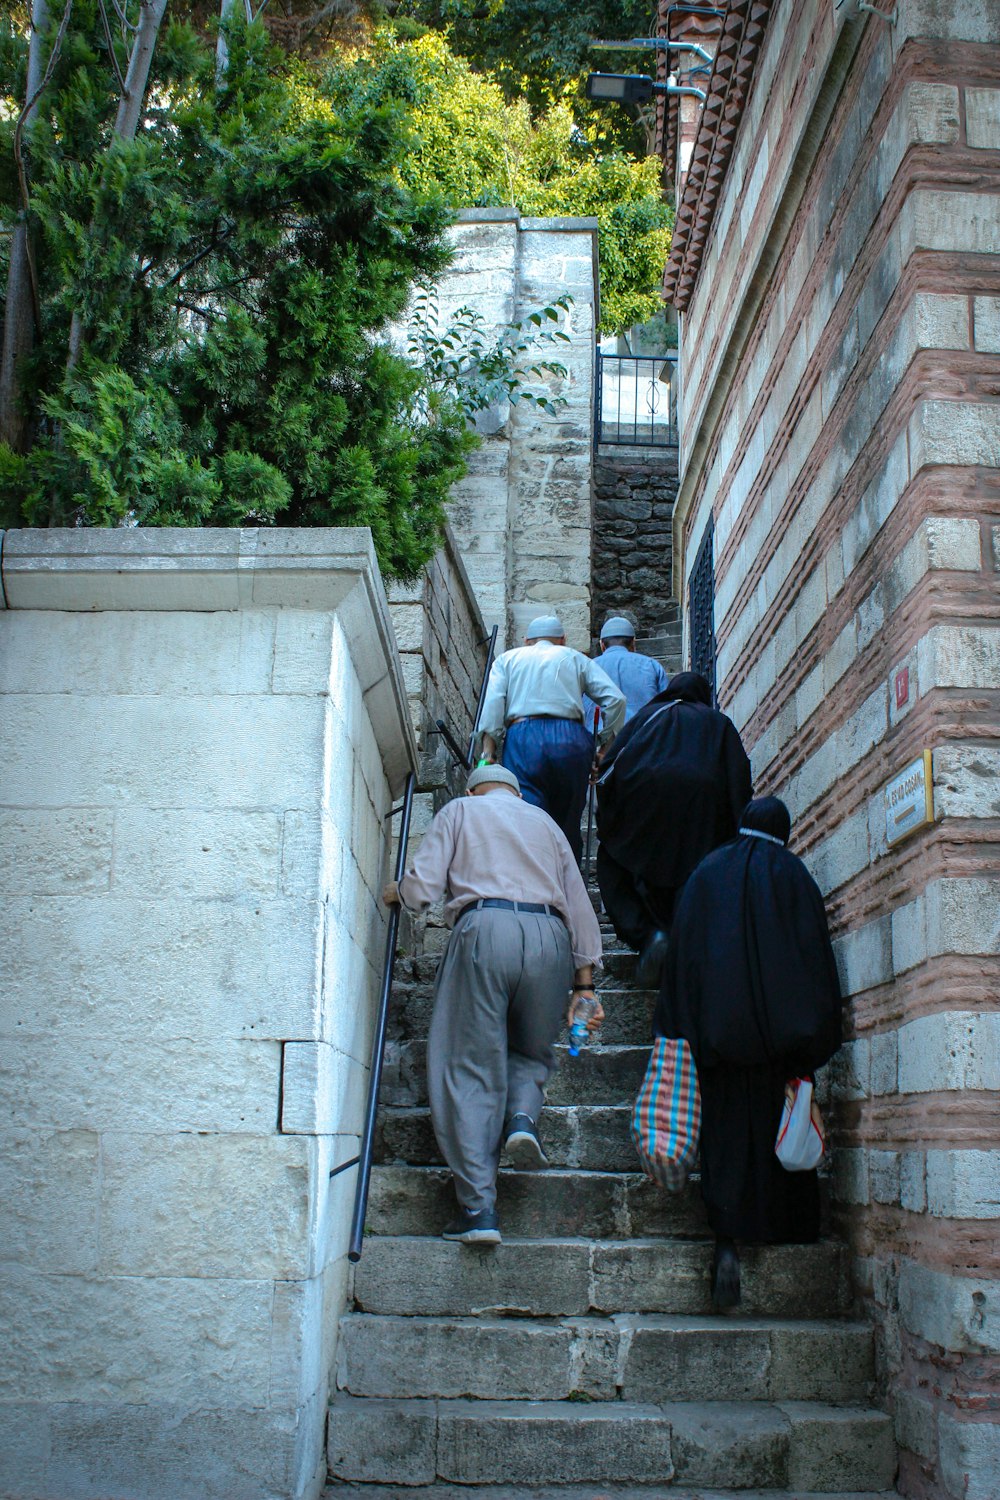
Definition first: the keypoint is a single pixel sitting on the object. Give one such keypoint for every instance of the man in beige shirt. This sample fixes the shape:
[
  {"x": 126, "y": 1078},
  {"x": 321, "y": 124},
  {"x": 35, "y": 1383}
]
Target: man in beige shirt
[{"x": 523, "y": 946}]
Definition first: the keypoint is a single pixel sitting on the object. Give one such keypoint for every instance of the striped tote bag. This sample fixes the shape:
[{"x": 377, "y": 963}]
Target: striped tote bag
[{"x": 666, "y": 1120}]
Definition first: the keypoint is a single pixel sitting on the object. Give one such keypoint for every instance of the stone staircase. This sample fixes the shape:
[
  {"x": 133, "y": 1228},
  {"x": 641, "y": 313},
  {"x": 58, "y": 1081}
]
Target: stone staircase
[
  {"x": 665, "y": 644},
  {"x": 581, "y": 1358}
]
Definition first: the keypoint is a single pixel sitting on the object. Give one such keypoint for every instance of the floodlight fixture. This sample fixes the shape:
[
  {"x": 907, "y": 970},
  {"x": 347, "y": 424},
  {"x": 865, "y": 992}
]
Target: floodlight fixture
[
  {"x": 623, "y": 88},
  {"x": 634, "y": 88}
]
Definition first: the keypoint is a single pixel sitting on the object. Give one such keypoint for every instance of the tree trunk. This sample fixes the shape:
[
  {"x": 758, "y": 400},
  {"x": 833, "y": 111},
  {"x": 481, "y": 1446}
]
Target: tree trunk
[
  {"x": 130, "y": 107},
  {"x": 19, "y": 311},
  {"x": 151, "y": 14},
  {"x": 221, "y": 49}
]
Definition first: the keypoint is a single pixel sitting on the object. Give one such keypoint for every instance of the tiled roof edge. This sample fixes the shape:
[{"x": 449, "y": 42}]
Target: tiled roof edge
[{"x": 743, "y": 32}]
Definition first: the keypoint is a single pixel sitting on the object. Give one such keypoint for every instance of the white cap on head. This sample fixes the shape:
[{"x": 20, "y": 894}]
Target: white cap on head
[
  {"x": 544, "y": 626},
  {"x": 616, "y": 628},
  {"x": 498, "y": 775}
]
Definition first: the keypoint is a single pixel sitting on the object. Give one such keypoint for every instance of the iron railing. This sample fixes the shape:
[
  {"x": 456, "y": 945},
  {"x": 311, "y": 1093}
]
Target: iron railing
[
  {"x": 635, "y": 400},
  {"x": 363, "y": 1160},
  {"x": 364, "y": 1156}
]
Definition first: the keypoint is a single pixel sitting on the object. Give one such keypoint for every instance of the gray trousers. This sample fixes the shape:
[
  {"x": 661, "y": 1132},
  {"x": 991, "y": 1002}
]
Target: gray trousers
[{"x": 499, "y": 1002}]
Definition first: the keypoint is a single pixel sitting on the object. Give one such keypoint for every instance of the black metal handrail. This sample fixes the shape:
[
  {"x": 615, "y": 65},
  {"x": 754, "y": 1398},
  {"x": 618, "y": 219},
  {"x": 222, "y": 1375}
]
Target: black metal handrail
[
  {"x": 363, "y": 1160},
  {"x": 470, "y": 753},
  {"x": 459, "y": 756},
  {"x": 635, "y": 400},
  {"x": 364, "y": 1156}
]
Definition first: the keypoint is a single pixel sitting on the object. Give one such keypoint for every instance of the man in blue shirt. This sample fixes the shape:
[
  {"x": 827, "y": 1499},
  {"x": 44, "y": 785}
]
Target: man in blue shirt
[{"x": 638, "y": 677}]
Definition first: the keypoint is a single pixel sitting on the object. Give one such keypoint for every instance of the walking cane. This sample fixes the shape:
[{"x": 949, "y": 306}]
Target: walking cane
[{"x": 590, "y": 802}]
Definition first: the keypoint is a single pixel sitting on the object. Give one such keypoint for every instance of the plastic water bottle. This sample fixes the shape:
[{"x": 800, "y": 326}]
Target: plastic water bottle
[{"x": 585, "y": 1010}]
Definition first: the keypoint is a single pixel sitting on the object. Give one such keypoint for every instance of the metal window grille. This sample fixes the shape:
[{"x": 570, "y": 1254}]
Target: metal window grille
[
  {"x": 635, "y": 400},
  {"x": 701, "y": 610}
]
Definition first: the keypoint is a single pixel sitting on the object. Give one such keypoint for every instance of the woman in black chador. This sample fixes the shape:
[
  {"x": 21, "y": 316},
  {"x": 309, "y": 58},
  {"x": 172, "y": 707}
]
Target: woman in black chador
[
  {"x": 671, "y": 790},
  {"x": 750, "y": 982}
]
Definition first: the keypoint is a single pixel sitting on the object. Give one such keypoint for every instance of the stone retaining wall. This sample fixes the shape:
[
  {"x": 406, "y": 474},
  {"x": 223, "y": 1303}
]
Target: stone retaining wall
[
  {"x": 442, "y": 645},
  {"x": 200, "y": 736},
  {"x": 633, "y": 539},
  {"x": 841, "y": 378}
]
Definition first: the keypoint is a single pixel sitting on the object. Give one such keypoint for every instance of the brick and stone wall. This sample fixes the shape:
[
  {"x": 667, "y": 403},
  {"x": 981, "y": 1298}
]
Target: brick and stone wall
[
  {"x": 634, "y": 496},
  {"x": 522, "y": 516},
  {"x": 841, "y": 369},
  {"x": 200, "y": 736}
]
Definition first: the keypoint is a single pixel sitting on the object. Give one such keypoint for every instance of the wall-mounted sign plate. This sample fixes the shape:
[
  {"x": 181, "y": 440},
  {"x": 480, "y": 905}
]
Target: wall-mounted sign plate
[{"x": 909, "y": 799}]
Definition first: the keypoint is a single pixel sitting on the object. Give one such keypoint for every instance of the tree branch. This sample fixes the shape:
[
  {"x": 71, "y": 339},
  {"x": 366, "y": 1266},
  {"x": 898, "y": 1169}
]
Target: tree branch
[{"x": 111, "y": 45}]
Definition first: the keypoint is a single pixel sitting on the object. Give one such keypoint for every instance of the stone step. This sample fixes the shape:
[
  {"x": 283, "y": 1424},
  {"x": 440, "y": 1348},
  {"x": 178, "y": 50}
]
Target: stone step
[
  {"x": 410, "y": 1275},
  {"x": 628, "y": 1012},
  {"x": 594, "y": 1137},
  {"x": 808, "y": 1446},
  {"x": 342, "y": 1491},
  {"x": 629, "y": 1357},
  {"x": 602, "y": 1074},
  {"x": 595, "y": 1205}
]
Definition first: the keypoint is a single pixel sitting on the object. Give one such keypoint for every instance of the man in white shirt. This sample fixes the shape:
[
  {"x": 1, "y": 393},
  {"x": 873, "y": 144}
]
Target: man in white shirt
[
  {"x": 524, "y": 944},
  {"x": 534, "y": 704}
]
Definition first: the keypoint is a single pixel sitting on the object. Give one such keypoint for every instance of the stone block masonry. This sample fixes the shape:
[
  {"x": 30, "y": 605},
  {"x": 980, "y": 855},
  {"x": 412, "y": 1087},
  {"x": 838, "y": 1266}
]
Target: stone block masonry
[
  {"x": 633, "y": 538},
  {"x": 522, "y": 516},
  {"x": 841, "y": 428},
  {"x": 443, "y": 642},
  {"x": 201, "y": 733},
  {"x": 443, "y": 647}
]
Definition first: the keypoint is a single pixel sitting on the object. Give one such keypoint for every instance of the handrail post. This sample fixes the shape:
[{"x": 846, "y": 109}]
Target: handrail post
[{"x": 378, "y": 1043}]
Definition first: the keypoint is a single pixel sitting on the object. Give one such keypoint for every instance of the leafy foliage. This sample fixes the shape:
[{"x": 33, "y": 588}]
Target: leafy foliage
[
  {"x": 477, "y": 148},
  {"x": 233, "y": 268},
  {"x": 480, "y": 368},
  {"x": 541, "y": 53}
]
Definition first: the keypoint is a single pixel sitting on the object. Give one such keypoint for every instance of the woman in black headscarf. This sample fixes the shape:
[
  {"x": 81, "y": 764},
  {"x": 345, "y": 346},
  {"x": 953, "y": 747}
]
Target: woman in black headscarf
[
  {"x": 750, "y": 982},
  {"x": 670, "y": 790}
]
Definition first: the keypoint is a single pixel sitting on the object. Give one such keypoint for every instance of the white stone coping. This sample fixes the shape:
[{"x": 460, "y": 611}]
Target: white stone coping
[{"x": 152, "y": 568}]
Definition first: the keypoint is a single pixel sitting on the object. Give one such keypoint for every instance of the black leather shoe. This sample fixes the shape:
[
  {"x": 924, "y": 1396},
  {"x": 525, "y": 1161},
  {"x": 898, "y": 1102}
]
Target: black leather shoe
[
  {"x": 725, "y": 1276},
  {"x": 474, "y": 1229},
  {"x": 650, "y": 962},
  {"x": 523, "y": 1148}
]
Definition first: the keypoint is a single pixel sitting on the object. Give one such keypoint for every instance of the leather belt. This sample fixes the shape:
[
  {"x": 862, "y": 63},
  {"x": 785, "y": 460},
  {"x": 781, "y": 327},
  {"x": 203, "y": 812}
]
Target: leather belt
[{"x": 496, "y": 903}]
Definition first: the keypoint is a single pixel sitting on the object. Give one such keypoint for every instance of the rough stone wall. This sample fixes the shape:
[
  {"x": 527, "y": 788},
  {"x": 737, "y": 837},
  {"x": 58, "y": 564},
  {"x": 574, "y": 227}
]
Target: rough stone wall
[
  {"x": 440, "y": 634},
  {"x": 841, "y": 378},
  {"x": 522, "y": 516},
  {"x": 633, "y": 539},
  {"x": 194, "y": 784},
  {"x": 441, "y": 638}
]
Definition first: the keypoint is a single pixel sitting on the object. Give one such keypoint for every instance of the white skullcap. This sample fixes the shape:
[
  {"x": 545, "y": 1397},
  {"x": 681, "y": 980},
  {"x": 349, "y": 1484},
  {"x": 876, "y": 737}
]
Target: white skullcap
[
  {"x": 499, "y": 775},
  {"x": 617, "y": 627},
  {"x": 543, "y": 627}
]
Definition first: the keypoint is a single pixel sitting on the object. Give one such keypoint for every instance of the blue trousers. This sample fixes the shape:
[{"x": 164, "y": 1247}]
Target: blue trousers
[{"x": 551, "y": 759}]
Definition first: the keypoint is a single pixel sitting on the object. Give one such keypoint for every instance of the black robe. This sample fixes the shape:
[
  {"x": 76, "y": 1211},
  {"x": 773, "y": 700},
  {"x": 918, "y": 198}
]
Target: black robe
[
  {"x": 672, "y": 786},
  {"x": 750, "y": 981}
]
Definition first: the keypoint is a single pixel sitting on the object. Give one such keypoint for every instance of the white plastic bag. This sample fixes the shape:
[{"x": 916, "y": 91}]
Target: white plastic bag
[{"x": 800, "y": 1144}]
